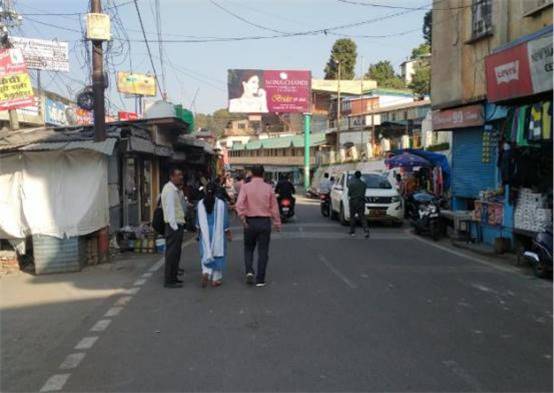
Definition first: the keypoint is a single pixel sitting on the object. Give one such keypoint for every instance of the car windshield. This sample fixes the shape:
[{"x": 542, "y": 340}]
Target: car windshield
[{"x": 374, "y": 181}]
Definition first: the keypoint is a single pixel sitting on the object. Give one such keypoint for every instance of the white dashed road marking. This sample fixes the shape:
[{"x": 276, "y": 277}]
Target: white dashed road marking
[
  {"x": 122, "y": 301},
  {"x": 139, "y": 282},
  {"x": 132, "y": 291},
  {"x": 101, "y": 325},
  {"x": 72, "y": 361},
  {"x": 147, "y": 275},
  {"x": 113, "y": 312},
  {"x": 86, "y": 343},
  {"x": 55, "y": 383}
]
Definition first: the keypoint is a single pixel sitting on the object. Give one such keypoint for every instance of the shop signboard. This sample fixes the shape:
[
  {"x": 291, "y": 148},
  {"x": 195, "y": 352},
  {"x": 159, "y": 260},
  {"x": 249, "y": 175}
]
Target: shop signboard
[
  {"x": 462, "y": 117},
  {"x": 521, "y": 70},
  {"x": 48, "y": 55},
  {"x": 127, "y": 116},
  {"x": 16, "y": 90},
  {"x": 136, "y": 84},
  {"x": 269, "y": 91},
  {"x": 57, "y": 113}
]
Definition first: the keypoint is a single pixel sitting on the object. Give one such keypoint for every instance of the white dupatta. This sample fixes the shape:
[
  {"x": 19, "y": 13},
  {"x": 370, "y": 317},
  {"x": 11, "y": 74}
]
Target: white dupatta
[{"x": 212, "y": 247}]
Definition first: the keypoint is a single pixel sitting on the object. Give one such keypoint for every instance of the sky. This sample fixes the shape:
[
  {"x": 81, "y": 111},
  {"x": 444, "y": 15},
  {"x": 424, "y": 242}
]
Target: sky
[{"x": 196, "y": 72}]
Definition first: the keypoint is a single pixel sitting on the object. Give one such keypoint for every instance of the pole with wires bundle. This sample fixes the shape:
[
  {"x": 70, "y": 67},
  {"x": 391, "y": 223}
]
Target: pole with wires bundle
[{"x": 98, "y": 84}]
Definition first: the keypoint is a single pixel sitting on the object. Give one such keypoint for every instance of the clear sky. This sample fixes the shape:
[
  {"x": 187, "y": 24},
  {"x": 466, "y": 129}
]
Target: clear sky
[{"x": 200, "y": 68}]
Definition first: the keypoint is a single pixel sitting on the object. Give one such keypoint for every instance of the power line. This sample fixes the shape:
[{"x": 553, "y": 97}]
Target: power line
[
  {"x": 246, "y": 20},
  {"x": 160, "y": 45},
  {"x": 147, "y": 46}
]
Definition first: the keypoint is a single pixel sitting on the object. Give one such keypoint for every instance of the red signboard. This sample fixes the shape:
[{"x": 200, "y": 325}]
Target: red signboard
[
  {"x": 126, "y": 116},
  {"x": 465, "y": 116},
  {"x": 265, "y": 91},
  {"x": 508, "y": 74},
  {"x": 16, "y": 90}
]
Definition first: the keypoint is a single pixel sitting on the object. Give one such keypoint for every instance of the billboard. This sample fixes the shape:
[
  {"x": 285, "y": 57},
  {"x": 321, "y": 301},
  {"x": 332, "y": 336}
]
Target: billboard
[
  {"x": 16, "y": 90},
  {"x": 136, "y": 84},
  {"x": 269, "y": 91},
  {"x": 43, "y": 54},
  {"x": 57, "y": 113}
]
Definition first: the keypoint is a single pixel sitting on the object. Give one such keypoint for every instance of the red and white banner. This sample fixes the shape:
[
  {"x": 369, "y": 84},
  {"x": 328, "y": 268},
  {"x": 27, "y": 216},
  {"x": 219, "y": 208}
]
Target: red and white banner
[
  {"x": 16, "y": 90},
  {"x": 520, "y": 71},
  {"x": 126, "y": 116}
]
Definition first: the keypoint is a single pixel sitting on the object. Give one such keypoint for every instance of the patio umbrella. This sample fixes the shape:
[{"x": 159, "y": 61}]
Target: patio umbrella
[{"x": 406, "y": 160}]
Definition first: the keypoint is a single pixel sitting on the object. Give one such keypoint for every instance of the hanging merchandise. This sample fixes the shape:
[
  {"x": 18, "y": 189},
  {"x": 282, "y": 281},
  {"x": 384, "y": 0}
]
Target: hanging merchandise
[
  {"x": 534, "y": 132},
  {"x": 547, "y": 120},
  {"x": 521, "y": 117}
]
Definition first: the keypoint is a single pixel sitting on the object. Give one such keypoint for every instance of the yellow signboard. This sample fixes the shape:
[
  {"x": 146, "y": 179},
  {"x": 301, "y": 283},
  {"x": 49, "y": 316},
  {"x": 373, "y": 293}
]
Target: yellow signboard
[
  {"x": 98, "y": 27},
  {"x": 136, "y": 84},
  {"x": 346, "y": 86}
]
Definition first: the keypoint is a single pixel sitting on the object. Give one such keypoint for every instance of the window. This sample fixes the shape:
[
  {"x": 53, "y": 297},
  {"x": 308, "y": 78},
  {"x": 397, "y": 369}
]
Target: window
[
  {"x": 241, "y": 126},
  {"x": 481, "y": 18}
]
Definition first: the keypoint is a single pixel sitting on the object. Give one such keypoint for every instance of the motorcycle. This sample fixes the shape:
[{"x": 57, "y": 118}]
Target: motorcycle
[
  {"x": 540, "y": 254},
  {"x": 423, "y": 210},
  {"x": 285, "y": 208},
  {"x": 325, "y": 203}
]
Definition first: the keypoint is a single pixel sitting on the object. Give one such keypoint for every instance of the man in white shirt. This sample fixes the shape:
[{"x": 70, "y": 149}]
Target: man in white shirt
[
  {"x": 325, "y": 185},
  {"x": 174, "y": 217}
]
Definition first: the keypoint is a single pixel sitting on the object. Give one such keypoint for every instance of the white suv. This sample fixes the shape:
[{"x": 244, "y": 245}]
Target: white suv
[{"x": 383, "y": 202}]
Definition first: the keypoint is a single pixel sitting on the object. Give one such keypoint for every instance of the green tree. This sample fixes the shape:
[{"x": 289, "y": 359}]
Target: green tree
[
  {"x": 344, "y": 51},
  {"x": 421, "y": 79},
  {"x": 423, "y": 49},
  {"x": 383, "y": 73},
  {"x": 217, "y": 121},
  {"x": 428, "y": 27}
]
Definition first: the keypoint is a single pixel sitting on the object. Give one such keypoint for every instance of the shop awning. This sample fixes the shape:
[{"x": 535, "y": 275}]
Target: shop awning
[{"x": 106, "y": 147}]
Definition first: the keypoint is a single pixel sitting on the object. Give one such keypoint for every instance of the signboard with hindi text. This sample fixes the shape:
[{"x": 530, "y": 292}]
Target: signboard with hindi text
[
  {"x": 136, "y": 84},
  {"x": 269, "y": 91},
  {"x": 16, "y": 90},
  {"x": 48, "y": 55}
]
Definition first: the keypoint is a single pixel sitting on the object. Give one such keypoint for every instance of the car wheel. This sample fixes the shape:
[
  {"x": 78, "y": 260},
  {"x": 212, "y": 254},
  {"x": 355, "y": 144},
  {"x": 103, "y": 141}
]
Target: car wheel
[
  {"x": 342, "y": 217},
  {"x": 540, "y": 270}
]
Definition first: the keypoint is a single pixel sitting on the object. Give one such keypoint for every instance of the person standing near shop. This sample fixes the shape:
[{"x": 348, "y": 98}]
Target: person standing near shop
[
  {"x": 174, "y": 218},
  {"x": 257, "y": 208},
  {"x": 356, "y": 196}
]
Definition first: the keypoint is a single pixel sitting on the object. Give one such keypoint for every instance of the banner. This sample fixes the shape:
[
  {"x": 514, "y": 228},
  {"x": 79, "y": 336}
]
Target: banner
[
  {"x": 269, "y": 91},
  {"x": 16, "y": 90},
  {"x": 127, "y": 116},
  {"x": 43, "y": 54},
  {"x": 136, "y": 84},
  {"x": 57, "y": 113}
]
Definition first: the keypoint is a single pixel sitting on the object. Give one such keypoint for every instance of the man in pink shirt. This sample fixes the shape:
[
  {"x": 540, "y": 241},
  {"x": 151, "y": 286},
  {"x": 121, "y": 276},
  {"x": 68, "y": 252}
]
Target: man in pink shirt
[{"x": 257, "y": 208}]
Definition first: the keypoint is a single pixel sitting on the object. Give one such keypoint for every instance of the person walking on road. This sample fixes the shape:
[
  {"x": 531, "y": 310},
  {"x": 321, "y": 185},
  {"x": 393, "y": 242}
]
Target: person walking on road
[
  {"x": 257, "y": 209},
  {"x": 174, "y": 218},
  {"x": 356, "y": 197},
  {"x": 213, "y": 225}
]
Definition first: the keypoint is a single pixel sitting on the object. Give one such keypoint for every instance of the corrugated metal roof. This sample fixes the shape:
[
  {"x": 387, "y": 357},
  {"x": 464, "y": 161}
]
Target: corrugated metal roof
[
  {"x": 254, "y": 145},
  {"x": 106, "y": 147},
  {"x": 282, "y": 143}
]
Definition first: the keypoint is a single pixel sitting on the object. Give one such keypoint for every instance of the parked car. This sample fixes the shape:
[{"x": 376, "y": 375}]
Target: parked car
[{"x": 383, "y": 202}]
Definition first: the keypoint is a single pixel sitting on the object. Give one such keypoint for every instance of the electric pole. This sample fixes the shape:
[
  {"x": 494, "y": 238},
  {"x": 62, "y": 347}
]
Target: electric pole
[
  {"x": 8, "y": 18},
  {"x": 98, "y": 81}
]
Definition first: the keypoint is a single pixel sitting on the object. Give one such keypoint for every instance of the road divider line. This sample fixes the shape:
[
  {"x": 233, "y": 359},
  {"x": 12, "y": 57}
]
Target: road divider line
[
  {"x": 337, "y": 273},
  {"x": 147, "y": 275},
  {"x": 113, "y": 312},
  {"x": 122, "y": 301},
  {"x": 55, "y": 383},
  {"x": 132, "y": 291},
  {"x": 72, "y": 361},
  {"x": 86, "y": 343},
  {"x": 139, "y": 282},
  {"x": 101, "y": 325}
]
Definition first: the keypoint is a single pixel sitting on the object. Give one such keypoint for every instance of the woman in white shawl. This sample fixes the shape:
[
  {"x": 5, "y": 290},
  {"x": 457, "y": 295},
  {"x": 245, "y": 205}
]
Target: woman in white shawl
[{"x": 213, "y": 226}]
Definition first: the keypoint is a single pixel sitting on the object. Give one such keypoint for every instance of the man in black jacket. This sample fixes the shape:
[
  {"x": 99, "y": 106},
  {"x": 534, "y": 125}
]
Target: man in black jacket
[
  {"x": 285, "y": 189},
  {"x": 356, "y": 198}
]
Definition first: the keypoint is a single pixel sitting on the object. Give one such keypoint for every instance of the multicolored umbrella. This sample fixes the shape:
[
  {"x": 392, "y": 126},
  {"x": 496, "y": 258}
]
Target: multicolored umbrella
[{"x": 406, "y": 160}]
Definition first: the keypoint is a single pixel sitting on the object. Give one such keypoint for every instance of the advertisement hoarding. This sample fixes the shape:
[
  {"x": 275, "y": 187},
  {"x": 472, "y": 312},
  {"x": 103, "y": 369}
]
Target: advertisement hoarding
[
  {"x": 16, "y": 90},
  {"x": 269, "y": 91},
  {"x": 136, "y": 84},
  {"x": 466, "y": 116},
  {"x": 57, "y": 113},
  {"x": 127, "y": 116},
  {"x": 43, "y": 54}
]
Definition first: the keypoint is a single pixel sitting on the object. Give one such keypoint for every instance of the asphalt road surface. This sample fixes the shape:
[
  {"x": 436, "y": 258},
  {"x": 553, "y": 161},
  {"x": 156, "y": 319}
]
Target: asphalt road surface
[{"x": 392, "y": 313}]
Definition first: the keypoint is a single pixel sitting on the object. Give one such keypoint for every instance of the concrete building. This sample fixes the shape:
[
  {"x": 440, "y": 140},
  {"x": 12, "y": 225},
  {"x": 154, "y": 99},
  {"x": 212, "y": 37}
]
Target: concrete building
[{"x": 408, "y": 67}]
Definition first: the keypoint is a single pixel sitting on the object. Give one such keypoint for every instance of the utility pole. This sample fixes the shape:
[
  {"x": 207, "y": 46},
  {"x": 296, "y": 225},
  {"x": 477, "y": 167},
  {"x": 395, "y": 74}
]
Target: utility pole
[
  {"x": 98, "y": 81},
  {"x": 8, "y": 18}
]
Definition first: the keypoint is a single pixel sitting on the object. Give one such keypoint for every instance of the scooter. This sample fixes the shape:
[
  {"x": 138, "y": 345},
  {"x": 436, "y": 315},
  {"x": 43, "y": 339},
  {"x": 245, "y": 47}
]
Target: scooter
[
  {"x": 285, "y": 208},
  {"x": 540, "y": 254},
  {"x": 423, "y": 210},
  {"x": 325, "y": 203}
]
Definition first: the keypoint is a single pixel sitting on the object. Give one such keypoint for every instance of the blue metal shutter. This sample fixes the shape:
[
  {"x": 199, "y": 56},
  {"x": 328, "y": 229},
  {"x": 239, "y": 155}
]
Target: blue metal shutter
[{"x": 469, "y": 174}]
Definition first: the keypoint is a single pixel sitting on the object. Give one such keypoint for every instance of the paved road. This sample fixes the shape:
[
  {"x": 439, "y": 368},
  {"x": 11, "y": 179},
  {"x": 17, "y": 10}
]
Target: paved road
[{"x": 393, "y": 313}]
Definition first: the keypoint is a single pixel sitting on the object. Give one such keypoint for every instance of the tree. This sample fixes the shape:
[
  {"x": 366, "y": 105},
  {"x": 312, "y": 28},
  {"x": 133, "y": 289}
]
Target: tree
[
  {"x": 421, "y": 79},
  {"x": 423, "y": 49},
  {"x": 216, "y": 121},
  {"x": 428, "y": 27},
  {"x": 383, "y": 73},
  {"x": 344, "y": 50}
]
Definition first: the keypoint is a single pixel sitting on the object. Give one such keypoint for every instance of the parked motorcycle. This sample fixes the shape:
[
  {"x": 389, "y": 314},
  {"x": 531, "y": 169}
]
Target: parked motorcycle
[
  {"x": 423, "y": 210},
  {"x": 325, "y": 203},
  {"x": 540, "y": 253},
  {"x": 285, "y": 208}
]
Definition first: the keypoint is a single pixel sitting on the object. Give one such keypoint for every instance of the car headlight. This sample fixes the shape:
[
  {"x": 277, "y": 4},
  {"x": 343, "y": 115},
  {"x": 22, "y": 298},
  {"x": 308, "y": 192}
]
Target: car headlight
[
  {"x": 431, "y": 209},
  {"x": 396, "y": 199}
]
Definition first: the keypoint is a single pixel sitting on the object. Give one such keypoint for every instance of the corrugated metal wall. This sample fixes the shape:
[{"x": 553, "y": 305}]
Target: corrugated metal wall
[
  {"x": 53, "y": 255},
  {"x": 469, "y": 174}
]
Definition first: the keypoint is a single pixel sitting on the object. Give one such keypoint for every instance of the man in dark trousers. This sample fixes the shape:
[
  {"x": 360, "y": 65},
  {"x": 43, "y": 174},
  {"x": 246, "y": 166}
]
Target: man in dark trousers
[
  {"x": 356, "y": 197},
  {"x": 174, "y": 218},
  {"x": 257, "y": 208},
  {"x": 285, "y": 189}
]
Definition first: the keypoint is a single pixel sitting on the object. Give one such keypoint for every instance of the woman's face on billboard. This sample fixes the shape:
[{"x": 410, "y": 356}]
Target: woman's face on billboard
[{"x": 251, "y": 86}]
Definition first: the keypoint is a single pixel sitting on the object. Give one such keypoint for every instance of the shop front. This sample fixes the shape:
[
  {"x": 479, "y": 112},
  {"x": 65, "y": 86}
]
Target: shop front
[{"x": 519, "y": 76}]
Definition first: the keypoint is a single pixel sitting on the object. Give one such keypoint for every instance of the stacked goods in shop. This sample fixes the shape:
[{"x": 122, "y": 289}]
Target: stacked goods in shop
[{"x": 530, "y": 213}]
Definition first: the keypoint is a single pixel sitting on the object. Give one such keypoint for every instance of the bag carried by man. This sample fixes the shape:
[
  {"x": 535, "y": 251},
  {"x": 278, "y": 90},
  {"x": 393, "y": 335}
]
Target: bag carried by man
[{"x": 158, "y": 222}]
